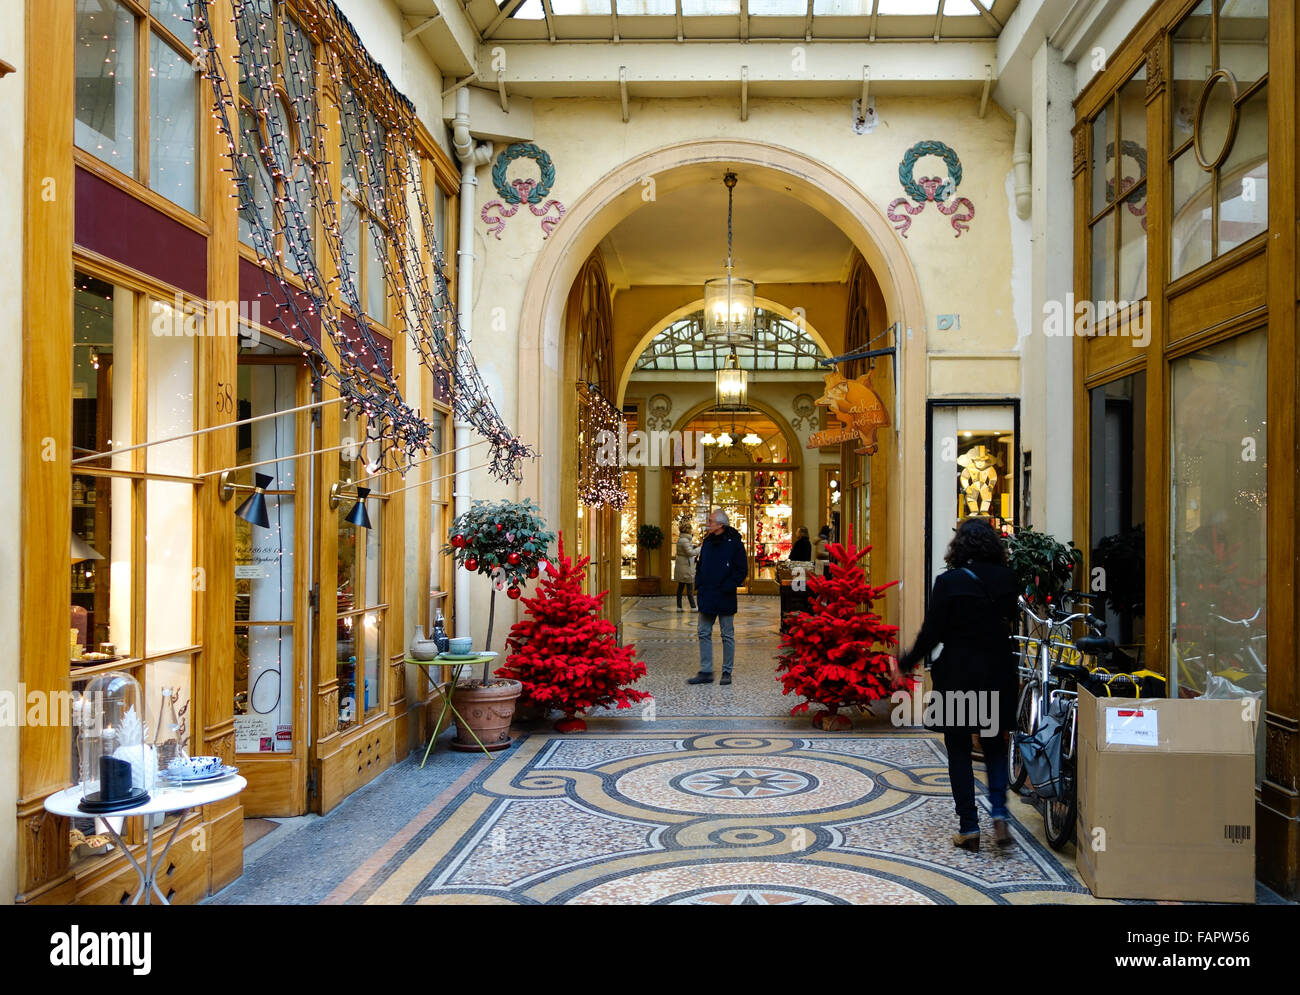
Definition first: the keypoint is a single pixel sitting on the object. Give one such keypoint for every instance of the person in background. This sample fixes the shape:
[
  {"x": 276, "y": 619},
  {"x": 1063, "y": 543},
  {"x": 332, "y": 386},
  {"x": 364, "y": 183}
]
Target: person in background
[
  {"x": 972, "y": 612},
  {"x": 722, "y": 567},
  {"x": 821, "y": 555},
  {"x": 801, "y": 551},
  {"x": 684, "y": 565}
]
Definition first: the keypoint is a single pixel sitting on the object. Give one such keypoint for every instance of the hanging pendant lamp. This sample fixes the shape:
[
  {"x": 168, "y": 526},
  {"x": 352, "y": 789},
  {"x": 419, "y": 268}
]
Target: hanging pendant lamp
[
  {"x": 729, "y": 299},
  {"x": 732, "y": 385}
]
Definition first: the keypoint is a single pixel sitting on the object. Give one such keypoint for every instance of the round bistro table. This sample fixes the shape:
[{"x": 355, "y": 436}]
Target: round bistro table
[{"x": 162, "y": 801}]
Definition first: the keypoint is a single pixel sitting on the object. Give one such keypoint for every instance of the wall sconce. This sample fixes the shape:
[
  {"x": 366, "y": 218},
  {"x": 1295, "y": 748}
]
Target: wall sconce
[
  {"x": 358, "y": 515},
  {"x": 253, "y": 509}
]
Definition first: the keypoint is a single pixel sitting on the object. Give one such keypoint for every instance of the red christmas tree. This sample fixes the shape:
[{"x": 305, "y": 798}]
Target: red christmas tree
[
  {"x": 564, "y": 654},
  {"x": 830, "y": 655}
]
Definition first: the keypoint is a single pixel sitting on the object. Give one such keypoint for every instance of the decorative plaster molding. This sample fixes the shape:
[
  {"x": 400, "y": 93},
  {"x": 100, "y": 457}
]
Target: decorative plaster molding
[{"x": 1155, "y": 66}]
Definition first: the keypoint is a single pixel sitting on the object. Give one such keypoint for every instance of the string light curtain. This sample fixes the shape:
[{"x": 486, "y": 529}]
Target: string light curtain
[
  {"x": 600, "y": 482},
  {"x": 285, "y": 195}
]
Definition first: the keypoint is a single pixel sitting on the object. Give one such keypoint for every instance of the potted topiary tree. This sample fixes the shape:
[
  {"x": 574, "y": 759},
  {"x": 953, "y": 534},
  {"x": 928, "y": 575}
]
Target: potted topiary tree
[
  {"x": 565, "y": 655},
  {"x": 1043, "y": 566},
  {"x": 649, "y": 537},
  {"x": 508, "y": 541},
  {"x": 834, "y": 654}
]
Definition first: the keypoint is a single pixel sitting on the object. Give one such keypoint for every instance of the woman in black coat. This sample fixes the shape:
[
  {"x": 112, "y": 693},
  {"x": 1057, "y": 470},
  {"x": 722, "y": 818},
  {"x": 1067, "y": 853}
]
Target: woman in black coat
[{"x": 972, "y": 612}]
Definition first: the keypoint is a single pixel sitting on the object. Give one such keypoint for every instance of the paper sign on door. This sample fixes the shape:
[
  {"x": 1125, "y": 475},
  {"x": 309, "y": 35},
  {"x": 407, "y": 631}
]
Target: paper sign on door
[{"x": 1132, "y": 727}]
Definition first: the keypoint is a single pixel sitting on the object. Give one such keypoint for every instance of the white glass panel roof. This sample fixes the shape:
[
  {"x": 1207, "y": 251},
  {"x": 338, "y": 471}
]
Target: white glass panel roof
[
  {"x": 779, "y": 344},
  {"x": 842, "y": 8},
  {"x": 580, "y": 7},
  {"x": 641, "y": 8},
  {"x": 908, "y": 7},
  {"x": 710, "y": 8},
  {"x": 530, "y": 11},
  {"x": 778, "y": 8}
]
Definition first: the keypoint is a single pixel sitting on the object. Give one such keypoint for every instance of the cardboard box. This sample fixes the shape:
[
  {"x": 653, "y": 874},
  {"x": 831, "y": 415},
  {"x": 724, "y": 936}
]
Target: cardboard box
[{"x": 1166, "y": 798}]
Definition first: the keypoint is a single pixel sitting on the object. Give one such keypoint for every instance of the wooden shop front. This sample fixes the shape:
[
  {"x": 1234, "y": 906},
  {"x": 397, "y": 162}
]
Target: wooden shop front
[{"x": 148, "y": 315}]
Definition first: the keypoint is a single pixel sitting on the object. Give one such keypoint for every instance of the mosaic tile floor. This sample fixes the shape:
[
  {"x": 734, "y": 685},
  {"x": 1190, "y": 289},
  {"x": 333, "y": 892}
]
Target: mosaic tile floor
[{"x": 716, "y": 796}]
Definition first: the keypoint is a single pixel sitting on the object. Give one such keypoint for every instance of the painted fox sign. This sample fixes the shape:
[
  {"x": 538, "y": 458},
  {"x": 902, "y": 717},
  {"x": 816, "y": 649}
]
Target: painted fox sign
[{"x": 858, "y": 408}]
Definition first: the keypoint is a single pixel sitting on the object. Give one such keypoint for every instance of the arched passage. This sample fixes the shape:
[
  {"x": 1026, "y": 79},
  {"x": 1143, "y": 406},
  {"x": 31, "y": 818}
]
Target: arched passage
[{"x": 542, "y": 343}]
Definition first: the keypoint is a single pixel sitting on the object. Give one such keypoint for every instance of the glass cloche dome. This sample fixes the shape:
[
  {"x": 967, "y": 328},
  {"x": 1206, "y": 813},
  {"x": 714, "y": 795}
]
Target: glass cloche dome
[{"x": 118, "y": 761}]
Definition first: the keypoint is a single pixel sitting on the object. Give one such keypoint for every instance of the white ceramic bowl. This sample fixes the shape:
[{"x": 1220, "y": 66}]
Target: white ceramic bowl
[{"x": 194, "y": 766}]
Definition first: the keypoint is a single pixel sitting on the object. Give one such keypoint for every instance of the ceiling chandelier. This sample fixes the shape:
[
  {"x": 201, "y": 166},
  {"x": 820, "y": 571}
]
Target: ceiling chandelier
[
  {"x": 751, "y": 438},
  {"x": 729, "y": 300}
]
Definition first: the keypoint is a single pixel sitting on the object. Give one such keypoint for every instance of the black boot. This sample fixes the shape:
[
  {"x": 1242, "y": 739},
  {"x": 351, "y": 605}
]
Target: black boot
[{"x": 700, "y": 678}]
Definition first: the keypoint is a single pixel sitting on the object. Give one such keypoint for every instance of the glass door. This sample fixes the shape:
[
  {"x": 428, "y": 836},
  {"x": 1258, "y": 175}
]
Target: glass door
[{"x": 271, "y": 579}]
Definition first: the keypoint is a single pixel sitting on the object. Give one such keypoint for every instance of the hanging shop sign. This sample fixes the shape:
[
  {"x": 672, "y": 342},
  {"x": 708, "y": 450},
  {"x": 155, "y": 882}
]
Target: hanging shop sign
[{"x": 858, "y": 408}]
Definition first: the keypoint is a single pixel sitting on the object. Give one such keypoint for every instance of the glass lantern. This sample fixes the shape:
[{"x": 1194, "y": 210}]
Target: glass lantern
[{"x": 118, "y": 760}]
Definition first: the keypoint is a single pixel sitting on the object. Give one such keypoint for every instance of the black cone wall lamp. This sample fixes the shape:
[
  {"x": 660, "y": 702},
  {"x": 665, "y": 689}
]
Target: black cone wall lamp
[
  {"x": 358, "y": 516},
  {"x": 253, "y": 508}
]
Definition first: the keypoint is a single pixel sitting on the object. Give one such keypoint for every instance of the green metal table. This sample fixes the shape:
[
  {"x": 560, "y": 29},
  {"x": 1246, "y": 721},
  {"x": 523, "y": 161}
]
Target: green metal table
[{"x": 444, "y": 690}]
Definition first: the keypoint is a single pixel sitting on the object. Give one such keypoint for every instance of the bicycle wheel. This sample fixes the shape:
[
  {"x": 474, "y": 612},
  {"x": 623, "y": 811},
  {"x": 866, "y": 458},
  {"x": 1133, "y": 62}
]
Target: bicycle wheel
[
  {"x": 1060, "y": 813},
  {"x": 1025, "y": 718}
]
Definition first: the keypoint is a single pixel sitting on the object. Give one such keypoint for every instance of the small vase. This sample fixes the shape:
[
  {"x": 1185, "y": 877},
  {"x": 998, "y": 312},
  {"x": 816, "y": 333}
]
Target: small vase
[{"x": 422, "y": 648}]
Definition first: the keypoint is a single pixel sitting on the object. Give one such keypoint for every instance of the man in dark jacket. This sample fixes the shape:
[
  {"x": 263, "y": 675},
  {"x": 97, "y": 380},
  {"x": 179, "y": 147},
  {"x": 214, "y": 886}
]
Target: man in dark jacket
[{"x": 722, "y": 567}]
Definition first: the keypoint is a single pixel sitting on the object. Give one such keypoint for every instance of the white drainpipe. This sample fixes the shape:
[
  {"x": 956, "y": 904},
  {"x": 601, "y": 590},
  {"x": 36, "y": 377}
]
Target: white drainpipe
[
  {"x": 471, "y": 156},
  {"x": 1020, "y": 163}
]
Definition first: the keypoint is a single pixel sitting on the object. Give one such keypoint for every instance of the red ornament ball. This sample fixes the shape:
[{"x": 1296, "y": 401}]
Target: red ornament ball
[
  {"x": 513, "y": 558},
  {"x": 471, "y": 564},
  {"x": 500, "y": 526},
  {"x": 513, "y": 593},
  {"x": 458, "y": 541},
  {"x": 532, "y": 573}
]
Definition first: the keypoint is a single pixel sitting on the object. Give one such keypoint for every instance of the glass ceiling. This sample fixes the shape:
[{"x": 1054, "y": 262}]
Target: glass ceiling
[
  {"x": 563, "y": 20},
  {"x": 779, "y": 344}
]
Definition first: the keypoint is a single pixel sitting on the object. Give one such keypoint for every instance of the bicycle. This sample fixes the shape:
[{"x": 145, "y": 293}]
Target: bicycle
[
  {"x": 1048, "y": 649},
  {"x": 1061, "y": 813}
]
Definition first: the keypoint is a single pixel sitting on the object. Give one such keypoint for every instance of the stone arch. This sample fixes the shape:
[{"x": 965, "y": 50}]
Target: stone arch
[{"x": 617, "y": 195}]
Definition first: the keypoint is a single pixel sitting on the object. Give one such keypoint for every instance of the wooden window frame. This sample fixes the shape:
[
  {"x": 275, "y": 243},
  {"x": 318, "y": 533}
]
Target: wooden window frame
[{"x": 137, "y": 184}]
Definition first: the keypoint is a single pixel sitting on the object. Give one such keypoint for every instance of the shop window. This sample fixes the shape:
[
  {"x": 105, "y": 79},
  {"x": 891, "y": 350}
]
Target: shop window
[
  {"x": 440, "y": 519},
  {"x": 972, "y": 470},
  {"x": 629, "y": 521},
  {"x": 749, "y": 475},
  {"x": 1218, "y": 527},
  {"x": 360, "y": 593},
  {"x": 1117, "y": 419},
  {"x": 1219, "y": 131},
  {"x": 133, "y": 568},
  {"x": 1119, "y": 196},
  {"x": 833, "y": 495},
  {"x": 362, "y": 223},
  {"x": 281, "y": 141},
  {"x": 151, "y": 136}
]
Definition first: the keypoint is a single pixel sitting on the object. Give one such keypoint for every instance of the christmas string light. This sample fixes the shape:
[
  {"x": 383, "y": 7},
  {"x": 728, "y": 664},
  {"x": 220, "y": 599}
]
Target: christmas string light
[
  {"x": 600, "y": 482},
  {"x": 285, "y": 191}
]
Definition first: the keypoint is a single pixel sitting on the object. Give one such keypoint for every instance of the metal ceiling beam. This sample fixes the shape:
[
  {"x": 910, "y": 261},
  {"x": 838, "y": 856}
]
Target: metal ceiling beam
[
  {"x": 807, "y": 22},
  {"x": 987, "y": 14},
  {"x": 576, "y": 66},
  {"x": 744, "y": 93},
  {"x": 679, "y": 17},
  {"x": 421, "y": 27},
  {"x": 744, "y": 20},
  {"x": 501, "y": 17},
  {"x": 549, "y": 15}
]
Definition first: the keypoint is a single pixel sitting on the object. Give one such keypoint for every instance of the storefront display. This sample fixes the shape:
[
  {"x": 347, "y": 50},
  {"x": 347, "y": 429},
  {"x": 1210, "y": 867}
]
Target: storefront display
[
  {"x": 1220, "y": 460},
  {"x": 972, "y": 466}
]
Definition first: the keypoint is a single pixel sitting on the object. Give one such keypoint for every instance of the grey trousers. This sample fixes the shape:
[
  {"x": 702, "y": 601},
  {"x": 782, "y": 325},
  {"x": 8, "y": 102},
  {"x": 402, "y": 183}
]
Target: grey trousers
[{"x": 704, "y": 628}]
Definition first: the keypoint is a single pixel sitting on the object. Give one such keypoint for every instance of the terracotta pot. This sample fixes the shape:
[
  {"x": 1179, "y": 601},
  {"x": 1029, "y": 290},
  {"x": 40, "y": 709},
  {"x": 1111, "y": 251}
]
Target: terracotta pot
[{"x": 487, "y": 711}]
